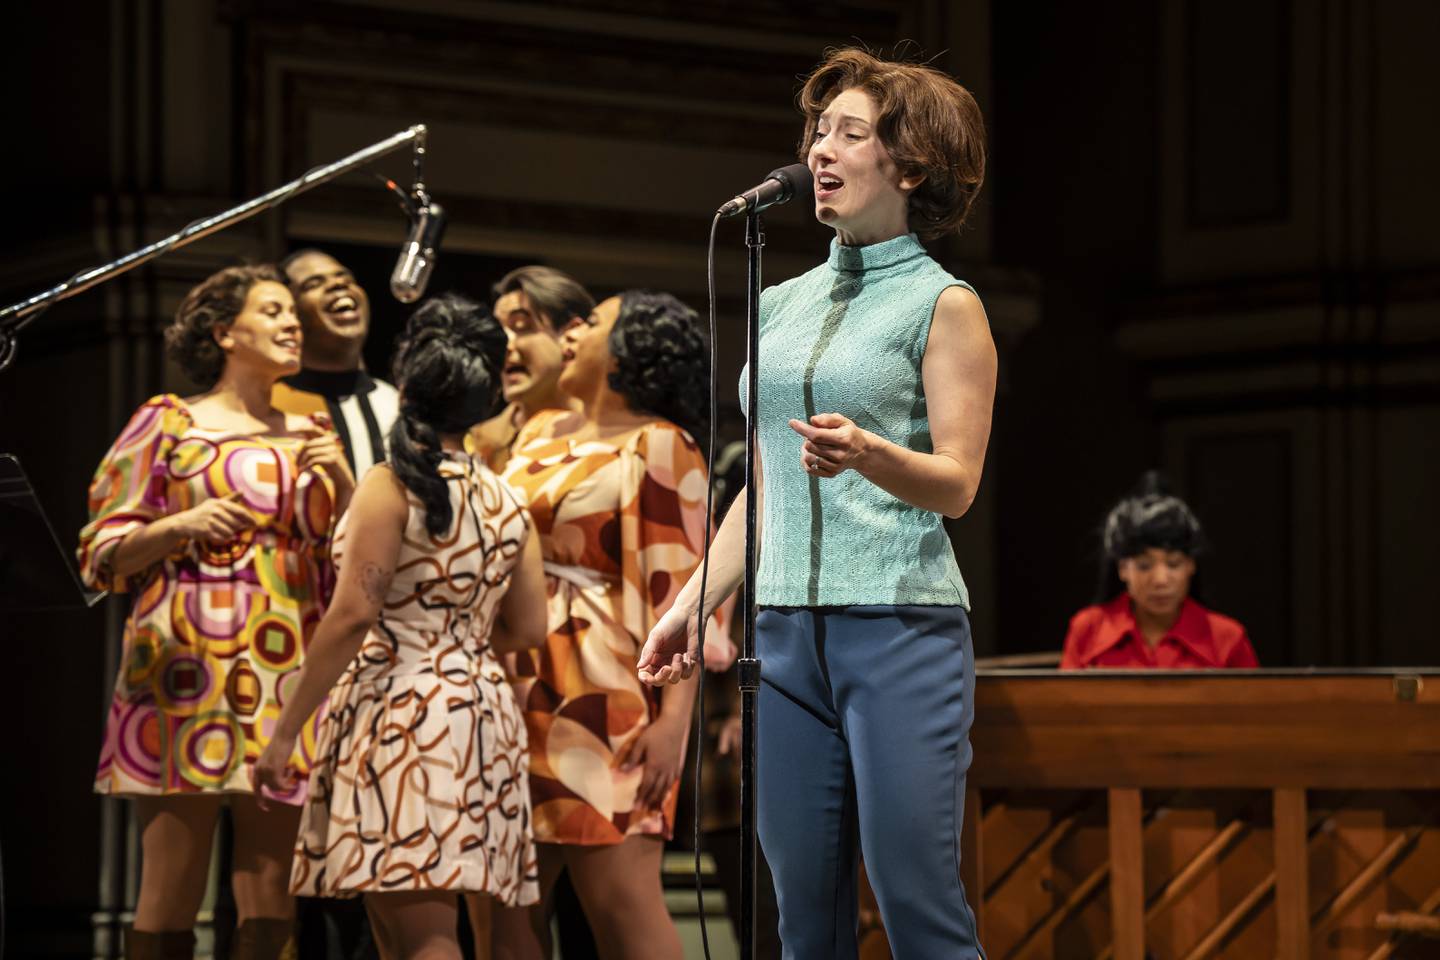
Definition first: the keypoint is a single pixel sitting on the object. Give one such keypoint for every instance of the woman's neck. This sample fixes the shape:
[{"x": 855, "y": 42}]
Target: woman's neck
[
  {"x": 245, "y": 393},
  {"x": 607, "y": 410},
  {"x": 552, "y": 400},
  {"x": 866, "y": 234},
  {"x": 338, "y": 358},
  {"x": 1153, "y": 627},
  {"x": 452, "y": 442}
]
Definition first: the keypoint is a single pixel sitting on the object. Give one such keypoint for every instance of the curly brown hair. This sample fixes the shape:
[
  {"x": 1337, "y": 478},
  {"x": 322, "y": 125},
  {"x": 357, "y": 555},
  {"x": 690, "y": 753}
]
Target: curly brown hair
[
  {"x": 930, "y": 125},
  {"x": 661, "y": 364},
  {"x": 218, "y": 299}
]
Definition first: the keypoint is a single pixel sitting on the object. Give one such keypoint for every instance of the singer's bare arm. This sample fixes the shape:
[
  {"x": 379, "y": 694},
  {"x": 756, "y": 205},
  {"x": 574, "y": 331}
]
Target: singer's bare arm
[
  {"x": 378, "y": 514},
  {"x": 217, "y": 520},
  {"x": 523, "y": 613},
  {"x": 672, "y": 649},
  {"x": 959, "y": 373}
]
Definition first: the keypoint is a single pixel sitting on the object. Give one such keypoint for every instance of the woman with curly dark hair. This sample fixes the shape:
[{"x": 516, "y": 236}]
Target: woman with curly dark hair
[
  {"x": 877, "y": 378},
  {"x": 215, "y": 513},
  {"x": 617, "y": 490}
]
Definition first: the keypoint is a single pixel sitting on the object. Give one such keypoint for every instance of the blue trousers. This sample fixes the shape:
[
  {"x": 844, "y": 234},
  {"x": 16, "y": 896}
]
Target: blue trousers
[{"x": 864, "y": 737}]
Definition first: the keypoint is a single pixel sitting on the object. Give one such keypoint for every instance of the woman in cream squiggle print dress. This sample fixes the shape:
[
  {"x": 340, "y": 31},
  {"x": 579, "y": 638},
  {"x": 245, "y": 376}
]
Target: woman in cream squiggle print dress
[
  {"x": 419, "y": 778},
  {"x": 419, "y": 789}
]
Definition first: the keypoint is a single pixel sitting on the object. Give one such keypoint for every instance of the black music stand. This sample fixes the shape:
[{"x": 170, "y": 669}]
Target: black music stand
[{"x": 36, "y": 573}]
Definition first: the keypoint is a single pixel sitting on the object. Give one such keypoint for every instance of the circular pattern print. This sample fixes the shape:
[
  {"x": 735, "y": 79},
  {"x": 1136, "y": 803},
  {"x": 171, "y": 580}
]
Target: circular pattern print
[{"x": 208, "y": 748}]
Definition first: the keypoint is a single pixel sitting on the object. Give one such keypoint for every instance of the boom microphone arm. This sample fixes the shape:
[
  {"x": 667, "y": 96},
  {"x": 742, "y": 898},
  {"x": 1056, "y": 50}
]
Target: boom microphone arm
[{"x": 17, "y": 316}]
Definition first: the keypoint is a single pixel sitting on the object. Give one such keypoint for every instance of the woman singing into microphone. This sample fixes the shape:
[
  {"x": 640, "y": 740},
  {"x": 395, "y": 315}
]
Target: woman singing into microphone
[{"x": 877, "y": 378}]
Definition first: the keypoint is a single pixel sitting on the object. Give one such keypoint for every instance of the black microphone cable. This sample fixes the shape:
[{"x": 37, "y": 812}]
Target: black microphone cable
[{"x": 700, "y": 616}]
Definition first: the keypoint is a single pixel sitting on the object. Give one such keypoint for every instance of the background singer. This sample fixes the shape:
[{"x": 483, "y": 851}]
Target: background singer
[{"x": 214, "y": 512}]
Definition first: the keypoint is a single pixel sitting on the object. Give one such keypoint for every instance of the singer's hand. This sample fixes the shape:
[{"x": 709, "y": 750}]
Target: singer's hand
[
  {"x": 273, "y": 773},
  {"x": 833, "y": 444},
  {"x": 719, "y": 651},
  {"x": 323, "y": 449},
  {"x": 671, "y": 650},
  {"x": 729, "y": 736},
  {"x": 217, "y": 520},
  {"x": 660, "y": 750}
]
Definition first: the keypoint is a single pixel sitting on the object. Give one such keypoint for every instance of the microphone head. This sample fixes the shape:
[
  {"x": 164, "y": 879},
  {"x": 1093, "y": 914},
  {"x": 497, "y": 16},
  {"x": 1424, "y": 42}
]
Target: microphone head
[
  {"x": 798, "y": 180},
  {"x": 417, "y": 258},
  {"x": 778, "y": 186}
]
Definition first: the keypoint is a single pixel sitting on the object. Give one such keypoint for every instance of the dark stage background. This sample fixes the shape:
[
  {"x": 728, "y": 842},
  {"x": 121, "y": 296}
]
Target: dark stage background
[{"x": 1206, "y": 244}]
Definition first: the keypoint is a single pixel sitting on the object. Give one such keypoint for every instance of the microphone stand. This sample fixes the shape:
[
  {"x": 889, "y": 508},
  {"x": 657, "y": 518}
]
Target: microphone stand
[
  {"x": 748, "y": 665},
  {"x": 17, "y": 316}
]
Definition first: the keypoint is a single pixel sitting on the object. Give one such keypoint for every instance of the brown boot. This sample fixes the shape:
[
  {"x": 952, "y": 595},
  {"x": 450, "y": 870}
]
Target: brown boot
[
  {"x": 263, "y": 938},
  {"x": 159, "y": 944}
]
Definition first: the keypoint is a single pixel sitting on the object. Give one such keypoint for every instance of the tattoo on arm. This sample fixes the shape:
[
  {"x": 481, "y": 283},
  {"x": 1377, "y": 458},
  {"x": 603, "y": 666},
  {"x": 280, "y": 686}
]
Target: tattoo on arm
[{"x": 375, "y": 581}]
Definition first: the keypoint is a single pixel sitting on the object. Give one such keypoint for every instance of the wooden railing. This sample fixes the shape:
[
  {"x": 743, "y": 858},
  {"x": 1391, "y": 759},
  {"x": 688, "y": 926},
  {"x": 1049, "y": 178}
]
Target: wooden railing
[{"x": 1187, "y": 816}]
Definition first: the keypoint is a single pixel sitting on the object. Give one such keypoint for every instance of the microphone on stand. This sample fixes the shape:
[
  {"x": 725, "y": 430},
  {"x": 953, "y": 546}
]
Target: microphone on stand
[
  {"x": 417, "y": 257},
  {"x": 779, "y": 186}
]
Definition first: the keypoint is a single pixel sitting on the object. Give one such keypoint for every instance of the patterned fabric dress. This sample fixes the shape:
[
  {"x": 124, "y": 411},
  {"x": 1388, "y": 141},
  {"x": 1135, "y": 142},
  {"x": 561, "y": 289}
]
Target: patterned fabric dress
[
  {"x": 215, "y": 634},
  {"x": 419, "y": 782},
  {"x": 622, "y": 523}
]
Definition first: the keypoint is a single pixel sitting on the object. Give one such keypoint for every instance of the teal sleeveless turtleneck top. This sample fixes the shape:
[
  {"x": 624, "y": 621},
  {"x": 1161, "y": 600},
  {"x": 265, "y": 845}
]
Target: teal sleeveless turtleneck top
[{"x": 848, "y": 337}]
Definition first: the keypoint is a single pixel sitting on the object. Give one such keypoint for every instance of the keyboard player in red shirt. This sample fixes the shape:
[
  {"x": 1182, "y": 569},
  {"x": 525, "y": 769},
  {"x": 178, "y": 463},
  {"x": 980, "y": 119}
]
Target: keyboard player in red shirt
[{"x": 1151, "y": 541}]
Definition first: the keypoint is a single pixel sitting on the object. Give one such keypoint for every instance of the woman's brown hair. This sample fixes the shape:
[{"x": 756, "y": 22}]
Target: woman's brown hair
[
  {"x": 218, "y": 299},
  {"x": 930, "y": 125}
]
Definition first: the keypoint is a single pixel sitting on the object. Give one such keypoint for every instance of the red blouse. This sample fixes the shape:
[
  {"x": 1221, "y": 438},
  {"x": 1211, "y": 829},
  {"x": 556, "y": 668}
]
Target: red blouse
[{"x": 1106, "y": 636}]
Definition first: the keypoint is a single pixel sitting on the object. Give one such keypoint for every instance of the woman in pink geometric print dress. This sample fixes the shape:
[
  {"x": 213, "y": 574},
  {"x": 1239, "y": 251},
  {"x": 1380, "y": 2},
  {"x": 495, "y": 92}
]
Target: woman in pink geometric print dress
[
  {"x": 215, "y": 514},
  {"x": 420, "y": 788}
]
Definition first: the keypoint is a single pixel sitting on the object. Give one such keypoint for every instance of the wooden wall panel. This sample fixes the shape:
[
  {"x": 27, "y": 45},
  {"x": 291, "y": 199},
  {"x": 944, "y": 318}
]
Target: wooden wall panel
[
  {"x": 1240, "y": 183},
  {"x": 1254, "y": 481},
  {"x": 1237, "y": 113},
  {"x": 1404, "y": 36},
  {"x": 1406, "y": 518},
  {"x": 1241, "y": 485}
]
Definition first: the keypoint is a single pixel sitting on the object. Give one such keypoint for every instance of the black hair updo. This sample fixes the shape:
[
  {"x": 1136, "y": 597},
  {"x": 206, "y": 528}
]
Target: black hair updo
[
  {"x": 662, "y": 365},
  {"x": 1149, "y": 518},
  {"x": 447, "y": 366}
]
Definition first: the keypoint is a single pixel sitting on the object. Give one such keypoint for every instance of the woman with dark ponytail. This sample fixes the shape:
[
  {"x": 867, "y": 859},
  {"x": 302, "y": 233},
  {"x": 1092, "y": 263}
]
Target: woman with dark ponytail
[
  {"x": 419, "y": 791},
  {"x": 618, "y": 493}
]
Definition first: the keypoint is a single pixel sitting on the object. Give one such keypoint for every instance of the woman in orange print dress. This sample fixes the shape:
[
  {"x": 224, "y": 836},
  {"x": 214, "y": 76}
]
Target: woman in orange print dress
[
  {"x": 418, "y": 791},
  {"x": 617, "y": 491},
  {"x": 214, "y": 513}
]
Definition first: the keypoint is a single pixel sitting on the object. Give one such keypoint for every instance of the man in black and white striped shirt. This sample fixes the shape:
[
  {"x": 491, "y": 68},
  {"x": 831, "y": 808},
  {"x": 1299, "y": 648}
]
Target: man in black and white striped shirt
[{"x": 334, "y": 312}]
